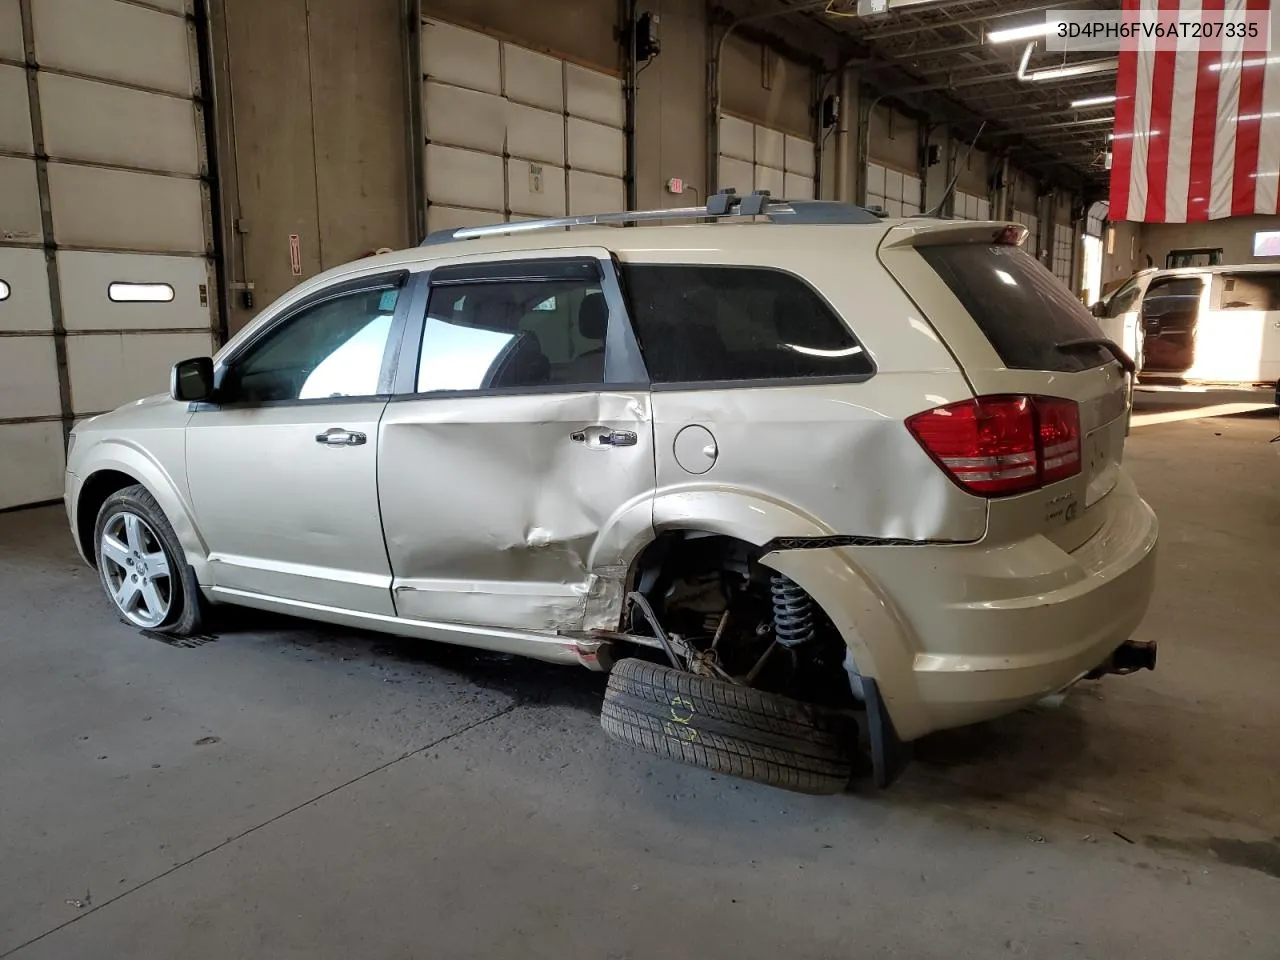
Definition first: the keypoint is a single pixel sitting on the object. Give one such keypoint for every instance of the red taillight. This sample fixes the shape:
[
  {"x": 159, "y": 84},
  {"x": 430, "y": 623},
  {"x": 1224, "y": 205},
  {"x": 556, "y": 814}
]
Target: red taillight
[{"x": 995, "y": 446}]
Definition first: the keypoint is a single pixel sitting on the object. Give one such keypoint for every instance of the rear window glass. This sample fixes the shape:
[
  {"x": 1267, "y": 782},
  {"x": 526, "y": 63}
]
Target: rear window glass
[
  {"x": 701, "y": 324},
  {"x": 1024, "y": 310},
  {"x": 1249, "y": 291}
]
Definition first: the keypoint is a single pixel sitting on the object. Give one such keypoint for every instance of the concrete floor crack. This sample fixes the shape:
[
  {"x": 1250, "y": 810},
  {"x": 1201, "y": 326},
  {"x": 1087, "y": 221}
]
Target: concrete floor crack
[{"x": 266, "y": 823}]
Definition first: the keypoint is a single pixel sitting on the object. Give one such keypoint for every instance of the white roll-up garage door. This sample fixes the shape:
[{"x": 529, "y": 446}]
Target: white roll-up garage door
[
  {"x": 756, "y": 157},
  {"x": 513, "y": 134},
  {"x": 105, "y": 246}
]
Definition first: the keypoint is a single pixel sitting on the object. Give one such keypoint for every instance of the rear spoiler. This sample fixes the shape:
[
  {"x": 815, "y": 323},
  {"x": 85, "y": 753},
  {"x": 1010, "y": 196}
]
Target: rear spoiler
[{"x": 932, "y": 233}]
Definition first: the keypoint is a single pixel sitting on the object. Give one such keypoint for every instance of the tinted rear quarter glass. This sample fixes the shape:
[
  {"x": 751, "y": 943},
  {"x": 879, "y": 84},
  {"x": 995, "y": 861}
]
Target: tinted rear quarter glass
[
  {"x": 1022, "y": 308},
  {"x": 1249, "y": 291},
  {"x": 703, "y": 324}
]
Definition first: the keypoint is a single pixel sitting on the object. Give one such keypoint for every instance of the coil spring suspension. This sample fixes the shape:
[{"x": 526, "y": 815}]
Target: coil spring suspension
[{"x": 792, "y": 612}]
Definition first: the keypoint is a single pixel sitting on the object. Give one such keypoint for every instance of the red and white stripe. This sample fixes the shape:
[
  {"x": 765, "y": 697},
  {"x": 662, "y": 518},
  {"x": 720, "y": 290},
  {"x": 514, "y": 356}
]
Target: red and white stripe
[{"x": 1197, "y": 129}]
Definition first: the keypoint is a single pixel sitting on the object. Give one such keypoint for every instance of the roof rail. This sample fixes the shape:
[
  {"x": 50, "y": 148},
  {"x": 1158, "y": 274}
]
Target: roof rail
[{"x": 725, "y": 204}]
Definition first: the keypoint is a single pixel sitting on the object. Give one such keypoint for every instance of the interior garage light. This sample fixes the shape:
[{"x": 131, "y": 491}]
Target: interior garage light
[
  {"x": 1074, "y": 70},
  {"x": 4, "y": 290},
  {"x": 1031, "y": 31},
  {"x": 1093, "y": 101}
]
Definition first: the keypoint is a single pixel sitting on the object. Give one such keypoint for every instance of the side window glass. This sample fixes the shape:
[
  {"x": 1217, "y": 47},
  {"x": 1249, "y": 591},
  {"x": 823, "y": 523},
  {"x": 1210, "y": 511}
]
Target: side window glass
[
  {"x": 333, "y": 349},
  {"x": 506, "y": 334},
  {"x": 1123, "y": 301},
  {"x": 703, "y": 324},
  {"x": 1249, "y": 291},
  {"x": 1176, "y": 296}
]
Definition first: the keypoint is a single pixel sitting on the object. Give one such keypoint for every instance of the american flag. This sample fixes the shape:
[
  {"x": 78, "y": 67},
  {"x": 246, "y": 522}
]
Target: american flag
[{"x": 1197, "y": 129}]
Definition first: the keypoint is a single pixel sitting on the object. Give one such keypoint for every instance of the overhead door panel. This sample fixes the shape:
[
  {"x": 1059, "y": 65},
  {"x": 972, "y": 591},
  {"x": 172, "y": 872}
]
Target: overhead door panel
[
  {"x": 535, "y": 189},
  {"x": 32, "y": 465},
  {"x": 535, "y": 134},
  {"x": 798, "y": 187},
  {"x": 737, "y": 139},
  {"x": 104, "y": 123},
  {"x": 767, "y": 178},
  {"x": 10, "y": 30},
  {"x": 24, "y": 292},
  {"x": 109, "y": 291},
  {"x": 464, "y": 178},
  {"x": 124, "y": 210},
  {"x": 800, "y": 159},
  {"x": 19, "y": 201},
  {"x": 535, "y": 127},
  {"x": 114, "y": 40},
  {"x": 461, "y": 57},
  {"x": 128, "y": 258},
  {"x": 597, "y": 148},
  {"x": 532, "y": 78},
  {"x": 15, "y": 110},
  {"x": 108, "y": 369},
  {"x": 756, "y": 157},
  {"x": 591, "y": 193},
  {"x": 593, "y": 95},
  {"x": 736, "y": 174},
  {"x": 463, "y": 117},
  {"x": 26, "y": 389},
  {"x": 770, "y": 147}
]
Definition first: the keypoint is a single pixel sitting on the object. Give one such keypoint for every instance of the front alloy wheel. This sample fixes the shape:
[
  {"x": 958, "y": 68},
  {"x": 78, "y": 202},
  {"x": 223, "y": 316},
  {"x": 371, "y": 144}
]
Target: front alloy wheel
[{"x": 136, "y": 570}]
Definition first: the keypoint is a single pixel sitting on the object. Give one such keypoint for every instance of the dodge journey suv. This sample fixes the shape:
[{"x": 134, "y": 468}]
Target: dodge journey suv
[{"x": 809, "y": 482}]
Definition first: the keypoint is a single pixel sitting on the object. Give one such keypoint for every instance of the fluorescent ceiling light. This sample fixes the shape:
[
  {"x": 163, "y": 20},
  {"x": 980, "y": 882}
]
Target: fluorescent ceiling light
[
  {"x": 1094, "y": 101},
  {"x": 1031, "y": 31},
  {"x": 1074, "y": 70}
]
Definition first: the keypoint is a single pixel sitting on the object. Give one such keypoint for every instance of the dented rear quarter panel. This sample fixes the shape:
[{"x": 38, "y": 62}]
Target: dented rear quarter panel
[{"x": 826, "y": 457}]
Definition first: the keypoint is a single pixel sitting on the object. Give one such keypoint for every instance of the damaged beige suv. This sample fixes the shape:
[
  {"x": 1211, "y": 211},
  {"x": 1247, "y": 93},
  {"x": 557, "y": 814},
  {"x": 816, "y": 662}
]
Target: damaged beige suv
[{"x": 809, "y": 481}]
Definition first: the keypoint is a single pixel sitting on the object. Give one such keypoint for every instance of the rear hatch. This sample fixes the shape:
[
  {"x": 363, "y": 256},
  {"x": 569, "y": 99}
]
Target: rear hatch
[{"x": 1017, "y": 332}]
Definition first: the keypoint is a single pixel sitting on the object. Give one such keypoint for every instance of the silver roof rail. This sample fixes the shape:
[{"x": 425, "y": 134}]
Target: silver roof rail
[{"x": 726, "y": 203}]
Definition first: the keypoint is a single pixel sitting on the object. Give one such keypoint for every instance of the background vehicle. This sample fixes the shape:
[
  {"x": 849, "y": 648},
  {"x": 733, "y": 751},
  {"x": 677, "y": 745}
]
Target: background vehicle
[
  {"x": 801, "y": 498},
  {"x": 1216, "y": 325}
]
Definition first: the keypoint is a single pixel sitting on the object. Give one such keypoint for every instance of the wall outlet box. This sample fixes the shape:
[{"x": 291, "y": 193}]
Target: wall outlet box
[{"x": 675, "y": 185}]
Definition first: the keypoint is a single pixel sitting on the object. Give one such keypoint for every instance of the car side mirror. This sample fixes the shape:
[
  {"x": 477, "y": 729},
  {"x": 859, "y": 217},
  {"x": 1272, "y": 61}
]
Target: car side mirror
[{"x": 192, "y": 380}]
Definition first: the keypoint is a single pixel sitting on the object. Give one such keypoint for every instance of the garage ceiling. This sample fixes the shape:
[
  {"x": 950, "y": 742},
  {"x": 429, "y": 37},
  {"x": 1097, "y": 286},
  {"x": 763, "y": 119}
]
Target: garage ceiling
[{"x": 933, "y": 57}]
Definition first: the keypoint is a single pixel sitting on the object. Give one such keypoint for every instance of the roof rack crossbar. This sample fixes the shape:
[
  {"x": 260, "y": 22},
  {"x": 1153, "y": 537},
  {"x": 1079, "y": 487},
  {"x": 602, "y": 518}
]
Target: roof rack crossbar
[{"x": 726, "y": 204}]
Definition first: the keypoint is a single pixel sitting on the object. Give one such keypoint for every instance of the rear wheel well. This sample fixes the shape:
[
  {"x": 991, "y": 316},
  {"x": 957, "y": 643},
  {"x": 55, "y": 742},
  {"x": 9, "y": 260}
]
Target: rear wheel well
[
  {"x": 772, "y": 635},
  {"x": 93, "y": 494}
]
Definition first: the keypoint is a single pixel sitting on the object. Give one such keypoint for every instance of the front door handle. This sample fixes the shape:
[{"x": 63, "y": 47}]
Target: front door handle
[
  {"x": 604, "y": 437},
  {"x": 340, "y": 437}
]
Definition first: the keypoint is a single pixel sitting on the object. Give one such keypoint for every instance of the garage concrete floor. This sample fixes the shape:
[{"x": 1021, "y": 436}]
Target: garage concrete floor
[{"x": 294, "y": 791}]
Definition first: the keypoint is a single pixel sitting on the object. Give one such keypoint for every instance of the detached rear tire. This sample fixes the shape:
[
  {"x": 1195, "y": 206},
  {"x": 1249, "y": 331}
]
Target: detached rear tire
[{"x": 728, "y": 728}]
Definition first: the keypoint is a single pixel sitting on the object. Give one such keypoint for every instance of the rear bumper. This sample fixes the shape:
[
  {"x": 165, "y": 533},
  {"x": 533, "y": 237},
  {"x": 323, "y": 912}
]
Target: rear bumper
[{"x": 956, "y": 635}]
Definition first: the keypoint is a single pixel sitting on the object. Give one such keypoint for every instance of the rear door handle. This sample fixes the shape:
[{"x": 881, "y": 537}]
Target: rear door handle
[
  {"x": 340, "y": 437},
  {"x": 604, "y": 437}
]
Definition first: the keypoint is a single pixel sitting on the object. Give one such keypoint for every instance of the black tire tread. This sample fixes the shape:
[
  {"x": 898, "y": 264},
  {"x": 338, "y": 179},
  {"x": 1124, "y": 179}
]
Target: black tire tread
[
  {"x": 736, "y": 730},
  {"x": 188, "y": 618}
]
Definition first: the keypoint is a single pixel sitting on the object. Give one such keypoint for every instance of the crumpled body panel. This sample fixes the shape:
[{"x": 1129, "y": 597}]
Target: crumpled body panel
[{"x": 495, "y": 514}]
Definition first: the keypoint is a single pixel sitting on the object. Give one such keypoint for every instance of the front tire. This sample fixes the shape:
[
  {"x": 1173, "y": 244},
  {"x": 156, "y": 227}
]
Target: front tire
[{"x": 142, "y": 567}]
